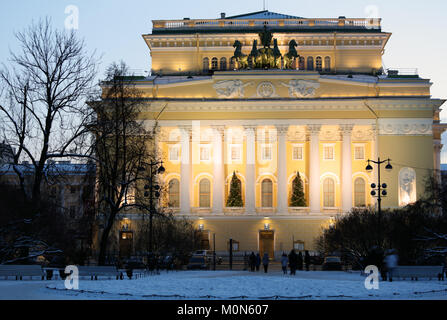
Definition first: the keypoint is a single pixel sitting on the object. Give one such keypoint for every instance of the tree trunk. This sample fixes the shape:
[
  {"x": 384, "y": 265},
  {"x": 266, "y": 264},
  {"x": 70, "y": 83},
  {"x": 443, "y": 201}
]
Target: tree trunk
[{"x": 104, "y": 239}]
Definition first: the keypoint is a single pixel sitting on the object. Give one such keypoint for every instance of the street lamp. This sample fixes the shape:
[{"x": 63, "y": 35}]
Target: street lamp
[
  {"x": 152, "y": 191},
  {"x": 379, "y": 190}
]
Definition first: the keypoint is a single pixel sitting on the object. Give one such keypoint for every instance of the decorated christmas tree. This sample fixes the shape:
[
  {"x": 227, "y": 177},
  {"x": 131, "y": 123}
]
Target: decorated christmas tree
[
  {"x": 297, "y": 199},
  {"x": 235, "y": 196}
]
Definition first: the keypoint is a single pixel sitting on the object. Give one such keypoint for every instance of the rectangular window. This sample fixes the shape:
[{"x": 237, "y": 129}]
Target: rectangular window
[
  {"x": 204, "y": 153},
  {"x": 266, "y": 152},
  {"x": 359, "y": 153},
  {"x": 328, "y": 152},
  {"x": 174, "y": 154},
  {"x": 297, "y": 153},
  {"x": 235, "y": 153}
]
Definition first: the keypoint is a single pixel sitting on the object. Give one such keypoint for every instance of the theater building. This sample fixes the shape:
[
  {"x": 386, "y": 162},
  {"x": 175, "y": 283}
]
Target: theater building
[{"x": 265, "y": 96}]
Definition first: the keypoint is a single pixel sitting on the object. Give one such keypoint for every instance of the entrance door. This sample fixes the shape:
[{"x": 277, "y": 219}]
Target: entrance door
[
  {"x": 126, "y": 239},
  {"x": 266, "y": 243}
]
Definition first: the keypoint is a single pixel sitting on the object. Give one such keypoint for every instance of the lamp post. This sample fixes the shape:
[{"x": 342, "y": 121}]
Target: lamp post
[
  {"x": 380, "y": 188},
  {"x": 152, "y": 191}
]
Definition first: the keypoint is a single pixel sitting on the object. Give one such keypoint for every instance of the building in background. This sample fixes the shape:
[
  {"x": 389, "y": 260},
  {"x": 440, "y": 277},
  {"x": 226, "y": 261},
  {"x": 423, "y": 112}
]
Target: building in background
[{"x": 268, "y": 95}]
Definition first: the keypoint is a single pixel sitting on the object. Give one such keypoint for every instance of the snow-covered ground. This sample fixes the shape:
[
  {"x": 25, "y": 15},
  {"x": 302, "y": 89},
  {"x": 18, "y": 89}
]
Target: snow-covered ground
[{"x": 228, "y": 285}]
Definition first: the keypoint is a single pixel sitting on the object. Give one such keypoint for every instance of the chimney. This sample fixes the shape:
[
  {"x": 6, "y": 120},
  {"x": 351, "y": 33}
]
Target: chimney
[{"x": 222, "y": 15}]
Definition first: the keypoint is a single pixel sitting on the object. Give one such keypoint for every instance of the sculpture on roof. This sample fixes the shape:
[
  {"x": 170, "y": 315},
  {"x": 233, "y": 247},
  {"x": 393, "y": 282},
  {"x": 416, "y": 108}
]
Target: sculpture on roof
[
  {"x": 241, "y": 59},
  {"x": 265, "y": 57},
  {"x": 291, "y": 56}
]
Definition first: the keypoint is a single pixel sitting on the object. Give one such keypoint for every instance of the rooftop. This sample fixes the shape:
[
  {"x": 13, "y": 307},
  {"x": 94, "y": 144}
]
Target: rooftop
[{"x": 255, "y": 21}]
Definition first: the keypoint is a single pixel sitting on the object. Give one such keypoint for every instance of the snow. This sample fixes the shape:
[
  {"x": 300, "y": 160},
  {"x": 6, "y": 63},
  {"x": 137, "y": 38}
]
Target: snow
[{"x": 310, "y": 285}]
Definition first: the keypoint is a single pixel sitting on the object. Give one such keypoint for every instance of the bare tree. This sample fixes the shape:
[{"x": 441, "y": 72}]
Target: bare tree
[
  {"x": 123, "y": 147},
  {"x": 43, "y": 108}
]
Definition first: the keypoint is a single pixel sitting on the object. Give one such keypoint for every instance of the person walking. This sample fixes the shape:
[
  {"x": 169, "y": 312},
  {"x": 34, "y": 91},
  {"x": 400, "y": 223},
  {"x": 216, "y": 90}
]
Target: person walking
[
  {"x": 391, "y": 264},
  {"x": 293, "y": 261},
  {"x": 258, "y": 261},
  {"x": 284, "y": 261},
  {"x": 307, "y": 260},
  {"x": 265, "y": 262},
  {"x": 300, "y": 261},
  {"x": 252, "y": 261}
]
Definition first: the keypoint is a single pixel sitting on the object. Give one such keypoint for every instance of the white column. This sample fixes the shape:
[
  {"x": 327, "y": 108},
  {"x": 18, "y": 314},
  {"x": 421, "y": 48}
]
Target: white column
[
  {"x": 314, "y": 164},
  {"x": 437, "y": 158},
  {"x": 282, "y": 193},
  {"x": 218, "y": 170},
  {"x": 346, "y": 167},
  {"x": 185, "y": 171},
  {"x": 250, "y": 169}
]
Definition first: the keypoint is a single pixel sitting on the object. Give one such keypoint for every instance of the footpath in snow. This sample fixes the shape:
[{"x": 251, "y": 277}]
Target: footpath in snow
[{"x": 245, "y": 285}]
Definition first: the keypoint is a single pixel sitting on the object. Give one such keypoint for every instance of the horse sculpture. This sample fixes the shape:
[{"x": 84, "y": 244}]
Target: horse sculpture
[
  {"x": 290, "y": 56},
  {"x": 254, "y": 55},
  {"x": 276, "y": 55},
  {"x": 242, "y": 59}
]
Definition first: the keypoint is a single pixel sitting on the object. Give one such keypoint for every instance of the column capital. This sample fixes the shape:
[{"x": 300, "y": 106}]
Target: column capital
[
  {"x": 282, "y": 129},
  {"x": 345, "y": 129},
  {"x": 186, "y": 129},
  {"x": 437, "y": 145},
  {"x": 250, "y": 127}
]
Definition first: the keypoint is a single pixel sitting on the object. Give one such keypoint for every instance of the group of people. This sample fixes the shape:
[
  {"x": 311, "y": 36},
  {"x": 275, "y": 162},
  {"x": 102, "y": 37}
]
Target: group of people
[{"x": 293, "y": 260}]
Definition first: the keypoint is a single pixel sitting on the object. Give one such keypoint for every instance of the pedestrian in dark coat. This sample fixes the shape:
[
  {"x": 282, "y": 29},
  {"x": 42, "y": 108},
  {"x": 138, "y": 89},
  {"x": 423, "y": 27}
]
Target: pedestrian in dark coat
[
  {"x": 258, "y": 261},
  {"x": 293, "y": 261},
  {"x": 265, "y": 261},
  {"x": 300, "y": 261},
  {"x": 252, "y": 261},
  {"x": 284, "y": 261},
  {"x": 307, "y": 260}
]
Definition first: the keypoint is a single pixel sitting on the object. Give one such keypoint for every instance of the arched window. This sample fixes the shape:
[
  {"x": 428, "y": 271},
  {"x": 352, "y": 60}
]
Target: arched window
[
  {"x": 310, "y": 63},
  {"x": 327, "y": 64},
  {"x": 319, "y": 63},
  {"x": 174, "y": 193},
  {"x": 214, "y": 63},
  {"x": 232, "y": 64},
  {"x": 206, "y": 64},
  {"x": 301, "y": 63},
  {"x": 328, "y": 193},
  {"x": 267, "y": 193},
  {"x": 359, "y": 193},
  {"x": 223, "y": 63},
  {"x": 204, "y": 193}
]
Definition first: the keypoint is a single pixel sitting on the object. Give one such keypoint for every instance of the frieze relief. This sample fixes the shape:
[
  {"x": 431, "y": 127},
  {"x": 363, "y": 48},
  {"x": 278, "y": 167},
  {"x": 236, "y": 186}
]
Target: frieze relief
[
  {"x": 301, "y": 88},
  {"x": 401, "y": 127}
]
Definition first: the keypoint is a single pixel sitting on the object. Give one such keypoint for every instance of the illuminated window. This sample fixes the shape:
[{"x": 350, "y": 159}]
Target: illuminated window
[
  {"x": 223, "y": 64},
  {"x": 359, "y": 193},
  {"x": 174, "y": 193},
  {"x": 235, "y": 153},
  {"x": 214, "y": 63},
  {"x": 301, "y": 63},
  {"x": 359, "y": 153},
  {"x": 327, "y": 64},
  {"x": 174, "y": 154},
  {"x": 319, "y": 63},
  {"x": 297, "y": 153},
  {"x": 310, "y": 63},
  {"x": 328, "y": 193},
  {"x": 204, "y": 153},
  {"x": 266, "y": 152},
  {"x": 204, "y": 193},
  {"x": 267, "y": 193},
  {"x": 328, "y": 153},
  {"x": 206, "y": 64}
]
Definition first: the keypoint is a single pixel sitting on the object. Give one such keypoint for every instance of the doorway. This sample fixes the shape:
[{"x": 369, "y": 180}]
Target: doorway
[
  {"x": 266, "y": 243},
  {"x": 126, "y": 242}
]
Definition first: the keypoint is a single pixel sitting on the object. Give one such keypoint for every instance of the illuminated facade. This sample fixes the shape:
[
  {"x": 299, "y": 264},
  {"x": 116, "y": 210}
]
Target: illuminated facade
[{"x": 323, "y": 115}]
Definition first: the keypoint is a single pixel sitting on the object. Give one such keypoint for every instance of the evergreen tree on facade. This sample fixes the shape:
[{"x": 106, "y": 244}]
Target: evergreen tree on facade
[
  {"x": 235, "y": 196},
  {"x": 297, "y": 199}
]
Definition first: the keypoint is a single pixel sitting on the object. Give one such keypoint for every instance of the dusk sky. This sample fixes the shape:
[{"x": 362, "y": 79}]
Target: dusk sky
[{"x": 113, "y": 28}]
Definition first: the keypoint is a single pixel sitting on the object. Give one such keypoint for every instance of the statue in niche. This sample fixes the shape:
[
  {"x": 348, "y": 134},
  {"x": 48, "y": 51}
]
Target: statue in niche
[{"x": 407, "y": 186}]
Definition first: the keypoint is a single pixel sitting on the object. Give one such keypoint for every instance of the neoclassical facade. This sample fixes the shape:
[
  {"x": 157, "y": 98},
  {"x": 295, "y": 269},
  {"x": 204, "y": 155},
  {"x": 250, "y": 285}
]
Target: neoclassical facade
[{"x": 322, "y": 116}]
